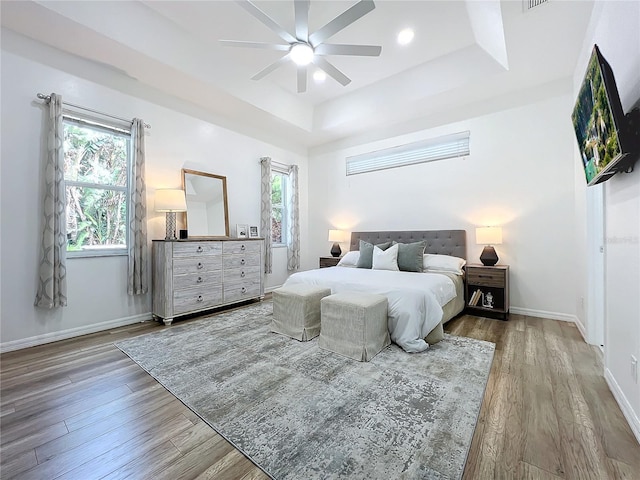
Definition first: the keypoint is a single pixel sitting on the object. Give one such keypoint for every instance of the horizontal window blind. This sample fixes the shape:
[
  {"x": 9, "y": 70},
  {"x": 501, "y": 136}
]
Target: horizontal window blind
[{"x": 449, "y": 146}]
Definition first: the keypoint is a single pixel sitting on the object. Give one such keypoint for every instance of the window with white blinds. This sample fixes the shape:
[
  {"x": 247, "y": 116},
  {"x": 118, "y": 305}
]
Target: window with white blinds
[{"x": 440, "y": 148}]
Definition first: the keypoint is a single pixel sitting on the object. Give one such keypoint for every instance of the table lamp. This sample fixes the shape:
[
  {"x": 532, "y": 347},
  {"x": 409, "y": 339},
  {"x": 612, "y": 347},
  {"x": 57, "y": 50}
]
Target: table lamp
[
  {"x": 171, "y": 201},
  {"x": 336, "y": 236},
  {"x": 489, "y": 236}
]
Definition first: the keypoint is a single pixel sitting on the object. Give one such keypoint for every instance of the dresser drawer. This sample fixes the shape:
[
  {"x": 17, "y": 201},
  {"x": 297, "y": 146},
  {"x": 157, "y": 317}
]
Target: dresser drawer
[
  {"x": 240, "y": 291},
  {"x": 190, "y": 299},
  {"x": 187, "y": 265},
  {"x": 239, "y": 247},
  {"x": 486, "y": 276},
  {"x": 237, "y": 261},
  {"x": 233, "y": 275},
  {"x": 213, "y": 277},
  {"x": 190, "y": 249}
]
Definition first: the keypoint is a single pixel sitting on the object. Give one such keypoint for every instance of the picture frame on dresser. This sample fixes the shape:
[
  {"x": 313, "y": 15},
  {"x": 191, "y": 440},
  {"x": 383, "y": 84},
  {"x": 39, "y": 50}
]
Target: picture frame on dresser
[
  {"x": 242, "y": 230},
  {"x": 253, "y": 232}
]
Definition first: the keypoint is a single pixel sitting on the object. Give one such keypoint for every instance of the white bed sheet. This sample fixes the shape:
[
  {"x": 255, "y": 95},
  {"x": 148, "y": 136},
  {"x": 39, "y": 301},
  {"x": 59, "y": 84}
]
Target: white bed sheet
[{"x": 415, "y": 299}]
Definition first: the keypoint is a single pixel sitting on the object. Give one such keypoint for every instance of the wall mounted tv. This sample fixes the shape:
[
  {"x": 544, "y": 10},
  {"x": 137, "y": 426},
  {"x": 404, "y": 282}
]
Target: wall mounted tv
[{"x": 605, "y": 137}]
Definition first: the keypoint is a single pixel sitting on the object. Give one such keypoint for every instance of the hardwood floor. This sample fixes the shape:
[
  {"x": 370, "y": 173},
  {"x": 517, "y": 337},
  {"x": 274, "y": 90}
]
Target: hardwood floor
[{"x": 81, "y": 409}]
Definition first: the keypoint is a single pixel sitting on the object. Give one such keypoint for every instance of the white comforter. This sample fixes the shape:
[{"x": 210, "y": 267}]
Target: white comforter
[{"x": 415, "y": 299}]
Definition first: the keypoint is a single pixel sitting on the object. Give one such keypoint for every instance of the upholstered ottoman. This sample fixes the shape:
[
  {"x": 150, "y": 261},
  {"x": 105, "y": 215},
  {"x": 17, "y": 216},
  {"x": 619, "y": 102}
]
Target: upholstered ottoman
[
  {"x": 354, "y": 324},
  {"x": 296, "y": 311}
]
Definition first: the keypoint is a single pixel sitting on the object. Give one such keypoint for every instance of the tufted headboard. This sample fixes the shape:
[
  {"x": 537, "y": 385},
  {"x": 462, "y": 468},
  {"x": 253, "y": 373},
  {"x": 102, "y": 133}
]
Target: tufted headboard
[{"x": 442, "y": 242}]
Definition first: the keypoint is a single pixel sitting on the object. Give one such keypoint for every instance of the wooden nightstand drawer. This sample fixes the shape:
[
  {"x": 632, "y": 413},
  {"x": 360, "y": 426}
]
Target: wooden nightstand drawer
[
  {"x": 486, "y": 276},
  {"x": 329, "y": 261}
]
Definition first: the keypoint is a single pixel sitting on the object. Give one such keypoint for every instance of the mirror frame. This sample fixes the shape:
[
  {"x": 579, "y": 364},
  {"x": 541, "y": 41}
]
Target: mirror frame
[{"x": 224, "y": 194}]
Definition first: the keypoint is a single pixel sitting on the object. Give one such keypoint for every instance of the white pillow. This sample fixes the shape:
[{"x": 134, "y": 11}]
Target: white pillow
[
  {"x": 350, "y": 259},
  {"x": 443, "y": 263},
  {"x": 385, "y": 259}
]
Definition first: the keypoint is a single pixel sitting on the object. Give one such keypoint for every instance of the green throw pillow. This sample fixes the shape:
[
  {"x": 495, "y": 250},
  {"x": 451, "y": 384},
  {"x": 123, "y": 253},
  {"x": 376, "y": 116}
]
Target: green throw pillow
[
  {"x": 410, "y": 256},
  {"x": 366, "y": 253}
]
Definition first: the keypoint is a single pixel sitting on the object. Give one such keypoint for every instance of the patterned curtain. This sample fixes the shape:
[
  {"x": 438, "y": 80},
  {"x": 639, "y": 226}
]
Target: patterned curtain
[
  {"x": 52, "y": 280},
  {"x": 265, "y": 211},
  {"x": 137, "y": 282},
  {"x": 293, "y": 241}
]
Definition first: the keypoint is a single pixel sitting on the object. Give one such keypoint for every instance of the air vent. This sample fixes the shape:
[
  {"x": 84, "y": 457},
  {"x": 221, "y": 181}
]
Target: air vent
[{"x": 530, "y": 4}]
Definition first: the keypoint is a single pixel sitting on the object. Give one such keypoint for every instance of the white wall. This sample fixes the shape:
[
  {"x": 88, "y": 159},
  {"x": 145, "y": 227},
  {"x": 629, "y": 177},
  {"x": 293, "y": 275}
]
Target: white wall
[
  {"x": 520, "y": 175},
  {"x": 97, "y": 286},
  {"x": 614, "y": 29}
]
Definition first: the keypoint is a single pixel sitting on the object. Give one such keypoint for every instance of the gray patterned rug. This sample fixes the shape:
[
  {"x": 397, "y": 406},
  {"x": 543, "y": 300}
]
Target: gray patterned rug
[{"x": 303, "y": 413}]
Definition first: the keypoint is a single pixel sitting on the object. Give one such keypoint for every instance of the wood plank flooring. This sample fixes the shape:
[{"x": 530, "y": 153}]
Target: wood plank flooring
[{"x": 81, "y": 409}]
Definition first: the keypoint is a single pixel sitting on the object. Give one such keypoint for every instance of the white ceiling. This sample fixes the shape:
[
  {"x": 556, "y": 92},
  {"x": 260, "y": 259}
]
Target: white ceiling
[{"x": 464, "y": 52}]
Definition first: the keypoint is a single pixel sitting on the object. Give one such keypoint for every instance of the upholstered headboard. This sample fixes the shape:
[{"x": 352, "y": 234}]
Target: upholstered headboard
[{"x": 441, "y": 242}]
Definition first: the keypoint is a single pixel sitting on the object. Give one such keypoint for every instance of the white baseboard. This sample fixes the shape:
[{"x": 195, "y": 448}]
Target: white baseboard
[
  {"x": 71, "y": 332},
  {"x": 271, "y": 289},
  {"x": 565, "y": 317},
  {"x": 625, "y": 406}
]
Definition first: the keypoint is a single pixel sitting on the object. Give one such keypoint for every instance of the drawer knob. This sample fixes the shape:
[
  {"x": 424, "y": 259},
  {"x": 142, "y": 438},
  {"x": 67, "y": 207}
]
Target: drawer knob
[
  {"x": 242, "y": 274},
  {"x": 200, "y": 266},
  {"x": 243, "y": 289},
  {"x": 200, "y": 298},
  {"x": 242, "y": 262},
  {"x": 199, "y": 280},
  {"x": 199, "y": 249},
  {"x": 242, "y": 247}
]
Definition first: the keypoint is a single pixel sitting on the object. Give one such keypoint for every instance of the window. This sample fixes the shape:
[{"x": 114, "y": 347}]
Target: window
[
  {"x": 449, "y": 146},
  {"x": 279, "y": 208},
  {"x": 96, "y": 173}
]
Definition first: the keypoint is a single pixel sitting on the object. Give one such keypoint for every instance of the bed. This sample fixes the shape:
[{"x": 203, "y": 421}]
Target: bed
[{"x": 419, "y": 303}]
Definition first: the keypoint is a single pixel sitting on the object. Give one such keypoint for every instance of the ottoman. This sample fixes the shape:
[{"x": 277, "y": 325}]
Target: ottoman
[
  {"x": 296, "y": 311},
  {"x": 354, "y": 324}
]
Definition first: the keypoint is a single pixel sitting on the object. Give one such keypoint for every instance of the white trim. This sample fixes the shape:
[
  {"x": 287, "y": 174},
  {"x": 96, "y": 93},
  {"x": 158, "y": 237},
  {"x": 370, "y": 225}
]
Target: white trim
[
  {"x": 72, "y": 332},
  {"x": 625, "y": 406},
  {"x": 271, "y": 289},
  {"x": 565, "y": 317},
  {"x": 581, "y": 329}
]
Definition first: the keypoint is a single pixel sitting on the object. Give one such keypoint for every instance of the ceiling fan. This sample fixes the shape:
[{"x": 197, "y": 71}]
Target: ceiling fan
[{"x": 303, "y": 48}]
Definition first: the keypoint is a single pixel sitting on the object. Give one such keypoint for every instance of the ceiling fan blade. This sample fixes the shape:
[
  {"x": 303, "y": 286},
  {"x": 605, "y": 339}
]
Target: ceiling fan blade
[
  {"x": 361, "y": 50},
  {"x": 302, "y": 19},
  {"x": 267, "y": 70},
  {"x": 341, "y": 21},
  {"x": 267, "y": 20},
  {"x": 266, "y": 46},
  {"x": 332, "y": 71},
  {"x": 302, "y": 78}
]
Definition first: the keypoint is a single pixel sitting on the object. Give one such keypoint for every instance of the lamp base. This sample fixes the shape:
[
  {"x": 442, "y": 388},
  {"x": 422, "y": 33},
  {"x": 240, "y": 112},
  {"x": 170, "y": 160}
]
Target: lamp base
[
  {"x": 171, "y": 226},
  {"x": 336, "y": 251},
  {"x": 489, "y": 257}
]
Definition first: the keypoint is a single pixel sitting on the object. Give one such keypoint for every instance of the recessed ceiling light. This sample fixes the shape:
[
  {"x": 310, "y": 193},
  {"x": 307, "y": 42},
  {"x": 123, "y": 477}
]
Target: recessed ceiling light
[
  {"x": 319, "y": 76},
  {"x": 405, "y": 36},
  {"x": 301, "y": 53}
]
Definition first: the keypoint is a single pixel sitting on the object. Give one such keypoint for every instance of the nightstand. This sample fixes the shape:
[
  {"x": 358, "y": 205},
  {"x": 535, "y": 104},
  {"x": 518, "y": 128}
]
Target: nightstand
[
  {"x": 329, "y": 261},
  {"x": 487, "y": 289}
]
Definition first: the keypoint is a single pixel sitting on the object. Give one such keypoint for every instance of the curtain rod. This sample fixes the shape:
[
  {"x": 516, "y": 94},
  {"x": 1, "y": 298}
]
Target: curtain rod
[
  {"x": 273, "y": 162},
  {"x": 47, "y": 98}
]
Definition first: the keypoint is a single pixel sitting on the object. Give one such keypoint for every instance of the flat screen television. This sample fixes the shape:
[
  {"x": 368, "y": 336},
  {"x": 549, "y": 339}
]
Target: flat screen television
[{"x": 600, "y": 124}]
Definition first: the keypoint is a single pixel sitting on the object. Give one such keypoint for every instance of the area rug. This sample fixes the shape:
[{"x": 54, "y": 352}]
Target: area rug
[{"x": 300, "y": 412}]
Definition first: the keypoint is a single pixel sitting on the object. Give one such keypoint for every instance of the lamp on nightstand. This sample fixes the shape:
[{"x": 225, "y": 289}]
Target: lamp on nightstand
[
  {"x": 336, "y": 236},
  {"x": 171, "y": 201},
  {"x": 489, "y": 236}
]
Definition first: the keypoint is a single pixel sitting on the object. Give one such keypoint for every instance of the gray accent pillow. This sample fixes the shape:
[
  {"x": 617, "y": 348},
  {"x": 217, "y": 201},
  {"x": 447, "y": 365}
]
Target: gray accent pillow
[
  {"x": 410, "y": 256},
  {"x": 366, "y": 253}
]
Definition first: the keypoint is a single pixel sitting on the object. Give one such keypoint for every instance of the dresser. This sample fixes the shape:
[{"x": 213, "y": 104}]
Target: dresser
[{"x": 191, "y": 276}]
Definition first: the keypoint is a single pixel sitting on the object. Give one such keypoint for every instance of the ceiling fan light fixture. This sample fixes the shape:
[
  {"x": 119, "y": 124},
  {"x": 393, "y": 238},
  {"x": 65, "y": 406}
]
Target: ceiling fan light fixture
[
  {"x": 301, "y": 53},
  {"x": 405, "y": 37}
]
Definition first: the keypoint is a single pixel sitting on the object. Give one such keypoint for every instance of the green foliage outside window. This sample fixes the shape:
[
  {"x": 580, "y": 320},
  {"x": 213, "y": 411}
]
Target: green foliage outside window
[{"x": 96, "y": 167}]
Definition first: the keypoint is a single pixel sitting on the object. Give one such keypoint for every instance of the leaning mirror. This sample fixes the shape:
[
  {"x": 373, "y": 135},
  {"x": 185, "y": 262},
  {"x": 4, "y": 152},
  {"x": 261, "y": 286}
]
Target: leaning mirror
[{"x": 207, "y": 213}]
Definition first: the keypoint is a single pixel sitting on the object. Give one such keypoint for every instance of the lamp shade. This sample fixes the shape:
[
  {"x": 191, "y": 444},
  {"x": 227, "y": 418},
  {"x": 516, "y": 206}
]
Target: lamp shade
[
  {"x": 489, "y": 235},
  {"x": 336, "y": 236},
  {"x": 170, "y": 200}
]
